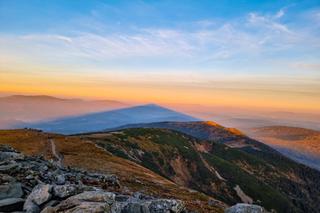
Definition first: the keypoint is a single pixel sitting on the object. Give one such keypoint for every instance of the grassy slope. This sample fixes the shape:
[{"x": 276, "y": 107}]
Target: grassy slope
[
  {"x": 158, "y": 149},
  {"x": 86, "y": 155},
  {"x": 300, "y": 183}
]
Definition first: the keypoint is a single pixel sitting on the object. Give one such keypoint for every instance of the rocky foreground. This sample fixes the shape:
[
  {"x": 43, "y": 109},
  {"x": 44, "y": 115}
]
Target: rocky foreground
[{"x": 32, "y": 184}]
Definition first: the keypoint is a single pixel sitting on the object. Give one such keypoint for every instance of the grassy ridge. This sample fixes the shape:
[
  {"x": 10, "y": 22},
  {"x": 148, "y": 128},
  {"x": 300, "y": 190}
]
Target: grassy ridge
[{"x": 158, "y": 149}]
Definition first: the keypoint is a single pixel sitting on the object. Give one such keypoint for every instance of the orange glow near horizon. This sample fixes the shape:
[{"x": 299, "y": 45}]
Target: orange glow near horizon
[{"x": 156, "y": 91}]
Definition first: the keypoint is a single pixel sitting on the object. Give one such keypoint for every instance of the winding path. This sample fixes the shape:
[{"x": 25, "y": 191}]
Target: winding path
[{"x": 56, "y": 154}]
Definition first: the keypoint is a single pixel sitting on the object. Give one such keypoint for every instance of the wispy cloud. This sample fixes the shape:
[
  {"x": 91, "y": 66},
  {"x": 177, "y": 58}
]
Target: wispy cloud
[{"x": 253, "y": 35}]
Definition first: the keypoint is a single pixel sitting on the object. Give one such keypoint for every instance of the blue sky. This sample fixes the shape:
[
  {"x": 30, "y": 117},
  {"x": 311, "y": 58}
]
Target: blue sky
[{"x": 274, "y": 44}]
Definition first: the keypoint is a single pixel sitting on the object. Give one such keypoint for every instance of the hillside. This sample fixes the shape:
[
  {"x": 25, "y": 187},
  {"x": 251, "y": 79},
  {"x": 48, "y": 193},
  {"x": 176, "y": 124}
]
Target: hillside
[
  {"x": 300, "y": 144},
  {"x": 18, "y": 110},
  {"x": 110, "y": 119},
  {"x": 81, "y": 153},
  {"x": 205, "y": 174},
  {"x": 230, "y": 174}
]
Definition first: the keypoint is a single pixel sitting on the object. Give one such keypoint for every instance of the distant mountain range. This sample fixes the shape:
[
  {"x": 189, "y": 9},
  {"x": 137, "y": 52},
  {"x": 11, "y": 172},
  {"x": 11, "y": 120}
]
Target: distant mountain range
[
  {"x": 300, "y": 144},
  {"x": 18, "y": 110},
  {"x": 73, "y": 116},
  {"x": 111, "y": 119}
]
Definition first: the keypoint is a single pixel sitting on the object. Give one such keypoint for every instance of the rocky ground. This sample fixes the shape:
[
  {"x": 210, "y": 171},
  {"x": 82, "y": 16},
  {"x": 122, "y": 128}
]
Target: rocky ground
[{"x": 33, "y": 184}]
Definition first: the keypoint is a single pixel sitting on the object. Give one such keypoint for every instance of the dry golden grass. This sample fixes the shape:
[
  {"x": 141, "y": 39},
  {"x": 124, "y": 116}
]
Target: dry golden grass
[{"x": 26, "y": 141}]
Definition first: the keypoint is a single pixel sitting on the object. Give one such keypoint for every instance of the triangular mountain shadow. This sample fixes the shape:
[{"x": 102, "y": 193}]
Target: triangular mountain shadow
[{"x": 110, "y": 119}]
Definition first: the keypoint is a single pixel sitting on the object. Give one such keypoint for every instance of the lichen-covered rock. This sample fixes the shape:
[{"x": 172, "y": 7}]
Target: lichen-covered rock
[
  {"x": 245, "y": 208},
  {"x": 63, "y": 191}
]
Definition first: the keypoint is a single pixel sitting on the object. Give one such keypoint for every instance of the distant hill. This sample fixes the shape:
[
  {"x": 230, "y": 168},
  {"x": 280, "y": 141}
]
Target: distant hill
[
  {"x": 111, "y": 119},
  {"x": 300, "y": 144},
  {"x": 17, "y": 110}
]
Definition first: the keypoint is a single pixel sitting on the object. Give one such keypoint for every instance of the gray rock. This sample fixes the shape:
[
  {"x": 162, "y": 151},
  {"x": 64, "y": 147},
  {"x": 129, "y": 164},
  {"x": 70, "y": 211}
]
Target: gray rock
[
  {"x": 151, "y": 206},
  {"x": 9, "y": 167},
  {"x": 31, "y": 207},
  {"x": 11, "y": 204},
  {"x": 89, "y": 201},
  {"x": 51, "y": 203},
  {"x": 245, "y": 208},
  {"x": 60, "y": 180},
  {"x": 94, "y": 207},
  {"x": 10, "y": 156},
  {"x": 63, "y": 191},
  {"x": 39, "y": 195},
  {"x": 134, "y": 208},
  {"x": 11, "y": 190},
  {"x": 48, "y": 209},
  {"x": 95, "y": 196},
  {"x": 4, "y": 178},
  {"x": 166, "y": 206}
]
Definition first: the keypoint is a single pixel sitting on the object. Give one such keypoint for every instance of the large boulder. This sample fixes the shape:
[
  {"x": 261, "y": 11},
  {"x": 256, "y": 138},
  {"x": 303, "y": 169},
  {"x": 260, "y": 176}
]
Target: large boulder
[
  {"x": 39, "y": 195},
  {"x": 245, "y": 208},
  {"x": 89, "y": 201}
]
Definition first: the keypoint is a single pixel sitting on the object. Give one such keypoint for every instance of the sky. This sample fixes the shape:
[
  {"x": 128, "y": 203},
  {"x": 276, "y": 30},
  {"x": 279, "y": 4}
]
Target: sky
[{"x": 251, "y": 54}]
